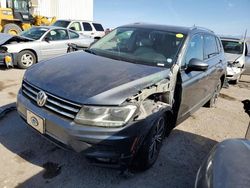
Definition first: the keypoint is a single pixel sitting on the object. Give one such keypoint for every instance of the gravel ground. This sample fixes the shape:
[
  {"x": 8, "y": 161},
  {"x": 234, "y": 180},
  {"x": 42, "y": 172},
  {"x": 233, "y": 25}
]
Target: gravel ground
[{"x": 27, "y": 160}]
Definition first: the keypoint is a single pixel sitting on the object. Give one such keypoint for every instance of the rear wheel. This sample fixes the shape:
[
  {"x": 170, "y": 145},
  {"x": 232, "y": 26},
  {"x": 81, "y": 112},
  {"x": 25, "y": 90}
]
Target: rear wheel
[
  {"x": 212, "y": 102},
  {"x": 25, "y": 59},
  {"x": 12, "y": 29},
  {"x": 150, "y": 149}
]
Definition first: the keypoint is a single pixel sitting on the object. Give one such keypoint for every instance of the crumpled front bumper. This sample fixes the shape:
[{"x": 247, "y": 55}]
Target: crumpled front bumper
[
  {"x": 233, "y": 73},
  {"x": 107, "y": 145}
]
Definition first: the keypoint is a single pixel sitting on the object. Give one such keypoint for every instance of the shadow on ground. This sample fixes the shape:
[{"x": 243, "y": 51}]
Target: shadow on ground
[{"x": 179, "y": 160}]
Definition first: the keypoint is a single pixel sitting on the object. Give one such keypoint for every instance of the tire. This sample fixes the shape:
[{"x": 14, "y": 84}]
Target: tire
[
  {"x": 150, "y": 149},
  {"x": 235, "y": 82},
  {"x": 212, "y": 102},
  {"x": 12, "y": 29},
  {"x": 25, "y": 59}
]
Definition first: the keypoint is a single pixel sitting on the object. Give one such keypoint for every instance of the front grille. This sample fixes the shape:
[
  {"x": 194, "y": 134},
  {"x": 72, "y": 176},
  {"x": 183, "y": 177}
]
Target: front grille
[{"x": 55, "y": 104}]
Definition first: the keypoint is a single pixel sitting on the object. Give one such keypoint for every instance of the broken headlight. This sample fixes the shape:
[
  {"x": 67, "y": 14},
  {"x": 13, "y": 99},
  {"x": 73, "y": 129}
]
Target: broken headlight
[{"x": 105, "y": 116}]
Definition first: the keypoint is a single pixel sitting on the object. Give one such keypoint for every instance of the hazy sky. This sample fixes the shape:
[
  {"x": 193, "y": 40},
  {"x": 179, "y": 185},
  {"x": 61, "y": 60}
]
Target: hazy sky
[{"x": 229, "y": 17}]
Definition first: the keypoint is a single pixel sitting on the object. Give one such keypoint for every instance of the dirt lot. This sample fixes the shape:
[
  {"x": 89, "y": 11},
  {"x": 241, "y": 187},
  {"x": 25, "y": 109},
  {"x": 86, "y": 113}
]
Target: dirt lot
[{"x": 27, "y": 160}]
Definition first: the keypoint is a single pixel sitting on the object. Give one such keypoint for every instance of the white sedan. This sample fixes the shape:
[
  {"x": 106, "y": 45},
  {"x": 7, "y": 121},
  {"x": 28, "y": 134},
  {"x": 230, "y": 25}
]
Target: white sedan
[{"x": 40, "y": 43}]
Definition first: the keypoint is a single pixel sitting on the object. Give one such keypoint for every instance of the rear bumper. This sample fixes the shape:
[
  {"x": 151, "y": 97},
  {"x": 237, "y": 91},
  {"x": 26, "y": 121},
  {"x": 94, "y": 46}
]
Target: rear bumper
[{"x": 108, "y": 145}]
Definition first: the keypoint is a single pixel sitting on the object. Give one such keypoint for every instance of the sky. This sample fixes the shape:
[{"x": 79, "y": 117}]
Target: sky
[{"x": 224, "y": 17}]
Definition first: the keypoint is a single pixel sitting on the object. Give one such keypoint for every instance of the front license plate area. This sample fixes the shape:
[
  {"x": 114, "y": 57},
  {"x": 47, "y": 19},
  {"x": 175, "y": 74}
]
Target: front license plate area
[{"x": 35, "y": 121}]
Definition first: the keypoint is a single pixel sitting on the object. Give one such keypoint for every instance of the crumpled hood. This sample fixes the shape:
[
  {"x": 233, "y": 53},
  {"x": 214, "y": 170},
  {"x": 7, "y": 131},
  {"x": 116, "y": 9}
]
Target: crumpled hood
[
  {"x": 232, "y": 57},
  {"x": 4, "y": 38},
  {"x": 89, "y": 79}
]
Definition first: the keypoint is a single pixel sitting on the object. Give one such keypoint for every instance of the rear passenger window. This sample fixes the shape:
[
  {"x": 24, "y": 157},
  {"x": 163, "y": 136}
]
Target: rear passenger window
[
  {"x": 73, "y": 35},
  {"x": 210, "y": 48},
  {"x": 195, "y": 49},
  {"x": 75, "y": 26},
  {"x": 98, "y": 27},
  {"x": 87, "y": 26}
]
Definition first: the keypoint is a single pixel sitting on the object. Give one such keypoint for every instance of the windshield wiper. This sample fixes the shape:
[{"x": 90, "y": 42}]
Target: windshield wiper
[{"x": 90, "y": 51}]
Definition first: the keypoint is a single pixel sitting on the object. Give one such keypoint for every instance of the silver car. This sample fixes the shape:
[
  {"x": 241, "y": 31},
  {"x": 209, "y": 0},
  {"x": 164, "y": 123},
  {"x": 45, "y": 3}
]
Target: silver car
[{"x": 40, "y": 43}]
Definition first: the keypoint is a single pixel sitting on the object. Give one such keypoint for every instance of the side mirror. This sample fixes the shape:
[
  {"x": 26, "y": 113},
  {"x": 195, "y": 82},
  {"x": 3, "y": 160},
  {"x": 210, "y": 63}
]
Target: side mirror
[
  {"x": 30, "y": 4},
  {"x": 197, "y": 65},
  {"x": 47, "y": 39}
]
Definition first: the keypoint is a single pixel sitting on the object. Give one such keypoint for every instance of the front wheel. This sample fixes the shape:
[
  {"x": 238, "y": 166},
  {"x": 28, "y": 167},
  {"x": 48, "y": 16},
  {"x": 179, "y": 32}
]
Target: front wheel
[
  {"x": 25, "y": 59},
  {"x": 150, "y": 149}
]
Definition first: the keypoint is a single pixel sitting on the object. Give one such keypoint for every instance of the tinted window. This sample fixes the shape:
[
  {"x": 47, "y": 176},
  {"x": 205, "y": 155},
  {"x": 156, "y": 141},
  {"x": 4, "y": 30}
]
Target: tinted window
[
  {"x": 61, "y": 24},
  {"x": 73, "y": 35},
  {"x": 233, "y": 47},
  {"x": 210, "y": 47},
  {"x": 76, "y": 26},
  {"x": 98, "y": 27},
  {"x": 195, "y": 49},
  {"x": 87, "y": 26},
  {"x": 57, "y": 34}
]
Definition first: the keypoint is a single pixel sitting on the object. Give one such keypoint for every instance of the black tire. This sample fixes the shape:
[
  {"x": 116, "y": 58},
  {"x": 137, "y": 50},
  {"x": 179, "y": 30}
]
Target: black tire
[
  {"x": 212, "y": 102},
  {"x": 25, "y": 59},
  {"x": 150, "y": 149},
  {"x": 12, "y": 29}
]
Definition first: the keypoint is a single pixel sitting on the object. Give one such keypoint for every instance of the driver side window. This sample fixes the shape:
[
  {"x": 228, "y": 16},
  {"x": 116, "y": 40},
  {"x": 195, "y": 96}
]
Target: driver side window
[
  {"x": 194, "y": 50},
  {"x": 57, "y": 34}
]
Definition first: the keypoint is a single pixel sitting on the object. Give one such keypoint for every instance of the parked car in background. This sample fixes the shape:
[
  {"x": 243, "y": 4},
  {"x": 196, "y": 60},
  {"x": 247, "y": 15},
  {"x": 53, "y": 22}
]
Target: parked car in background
[
  {"x": 119, "y": 98},
  {"x": 93, "y": 29},
  {"x": 247, "y": 65},
  {"x": 236, "y": 52},
  {"x": 226, "y": 166},
  {"x": 40, "y": 43}
]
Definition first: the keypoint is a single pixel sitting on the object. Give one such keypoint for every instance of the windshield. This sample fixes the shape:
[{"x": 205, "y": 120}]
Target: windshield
[
  {"x": 61, "y": 23},
  {"x": 232, "y": 47},
  {"x": 34, "y": 33},
  {"x": 139, "y": 45}
]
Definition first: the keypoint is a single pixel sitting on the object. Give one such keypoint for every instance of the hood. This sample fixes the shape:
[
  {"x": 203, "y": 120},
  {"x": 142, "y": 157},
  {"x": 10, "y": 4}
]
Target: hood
[
  {"x": 232, "y": 57},
  {"x": 89, "y": 79},
  {"x": 6, "y": 38}
]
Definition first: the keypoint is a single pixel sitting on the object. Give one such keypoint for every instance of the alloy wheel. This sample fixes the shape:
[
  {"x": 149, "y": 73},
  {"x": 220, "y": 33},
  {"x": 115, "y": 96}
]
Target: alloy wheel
[
  {"x": 157, "y": 138},
  {"x": 27, "y": 60}
]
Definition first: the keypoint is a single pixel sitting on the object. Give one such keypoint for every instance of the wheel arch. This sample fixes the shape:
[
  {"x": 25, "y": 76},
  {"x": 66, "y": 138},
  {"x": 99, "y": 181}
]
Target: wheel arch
[{"x": 33, "y": 51}]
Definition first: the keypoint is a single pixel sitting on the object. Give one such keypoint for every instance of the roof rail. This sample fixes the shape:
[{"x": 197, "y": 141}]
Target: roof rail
[{"x": 201, "y": 28}]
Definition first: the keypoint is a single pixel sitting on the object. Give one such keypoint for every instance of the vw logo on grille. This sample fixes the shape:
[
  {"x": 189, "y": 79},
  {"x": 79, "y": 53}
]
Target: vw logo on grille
[{"x": 41, "y": 98}]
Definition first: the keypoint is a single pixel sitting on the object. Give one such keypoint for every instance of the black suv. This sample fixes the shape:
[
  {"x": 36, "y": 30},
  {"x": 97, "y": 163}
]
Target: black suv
[{"x": 117, "y": 100}]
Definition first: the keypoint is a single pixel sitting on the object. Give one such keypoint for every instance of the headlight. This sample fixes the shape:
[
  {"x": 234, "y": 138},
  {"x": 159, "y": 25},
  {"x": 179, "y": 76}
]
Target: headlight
[{"x": 105, "y": 116}]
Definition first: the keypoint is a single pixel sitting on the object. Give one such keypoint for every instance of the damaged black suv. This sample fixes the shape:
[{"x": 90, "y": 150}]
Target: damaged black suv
[{"x": 116, "y": 101}]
